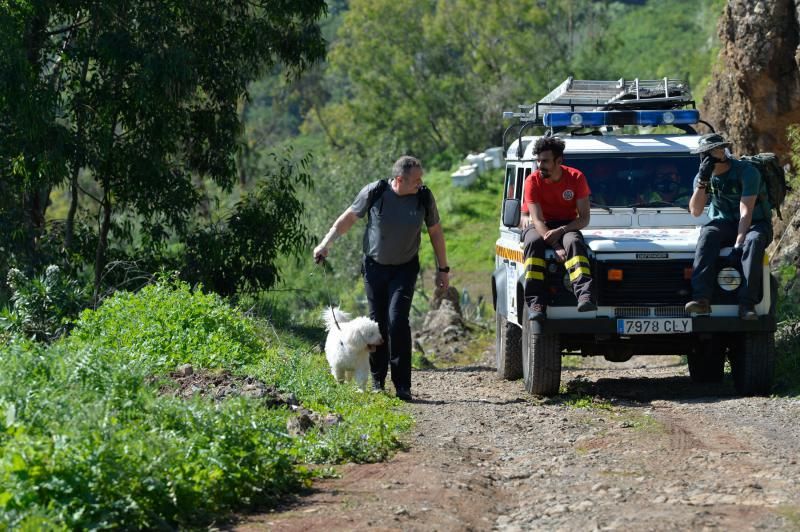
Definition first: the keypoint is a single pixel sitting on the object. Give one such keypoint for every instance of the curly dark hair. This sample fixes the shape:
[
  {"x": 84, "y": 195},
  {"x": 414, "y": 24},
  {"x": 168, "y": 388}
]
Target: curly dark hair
[{"x": 553, "y": 144}]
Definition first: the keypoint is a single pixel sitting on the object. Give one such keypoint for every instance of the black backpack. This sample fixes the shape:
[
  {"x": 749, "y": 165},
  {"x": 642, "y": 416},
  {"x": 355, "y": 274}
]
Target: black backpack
[
  {"x": 773, "y": 175},
  {"x": 424, "y": 196}
]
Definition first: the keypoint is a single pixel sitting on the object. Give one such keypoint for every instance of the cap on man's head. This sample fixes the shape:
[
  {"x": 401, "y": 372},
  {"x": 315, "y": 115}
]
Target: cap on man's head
[{"x": 709, "y": 142}]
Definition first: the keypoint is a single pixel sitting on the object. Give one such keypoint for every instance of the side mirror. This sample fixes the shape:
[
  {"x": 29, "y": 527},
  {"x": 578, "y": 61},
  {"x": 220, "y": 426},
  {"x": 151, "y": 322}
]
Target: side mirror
[{"x": 511, "y": 212}]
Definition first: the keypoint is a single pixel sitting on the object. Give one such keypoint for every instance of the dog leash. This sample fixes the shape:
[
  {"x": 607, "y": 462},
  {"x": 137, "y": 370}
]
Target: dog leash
[{"x": 321, "y": 262}]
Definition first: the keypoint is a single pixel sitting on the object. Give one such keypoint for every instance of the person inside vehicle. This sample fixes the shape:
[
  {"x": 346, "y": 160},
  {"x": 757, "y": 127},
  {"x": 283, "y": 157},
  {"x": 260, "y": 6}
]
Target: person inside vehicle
[
  {"x": 555, "y": 208},
  {"x": 604, "y": 186},
  {"x": 740, "y": 216},
  {"x": 667, "y": 187}
]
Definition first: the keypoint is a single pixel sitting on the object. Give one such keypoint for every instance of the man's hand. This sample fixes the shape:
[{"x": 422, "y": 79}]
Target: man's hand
[
  {"x": 706, "y": 169},
  {"x": 735, "y": 256},
  {"x": 320, "y": 253},
  {"x": 442, "y": 280},
  {"x": 553, "y": 236},
  {"x": 561, "y": 253}
]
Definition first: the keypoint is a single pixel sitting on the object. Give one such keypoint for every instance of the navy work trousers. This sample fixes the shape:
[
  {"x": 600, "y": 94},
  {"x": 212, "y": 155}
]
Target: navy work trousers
[
  {"x": 577, "y": 264},
  {"x": 389, "y": 290},
  {"x": 718, "y": 234}
]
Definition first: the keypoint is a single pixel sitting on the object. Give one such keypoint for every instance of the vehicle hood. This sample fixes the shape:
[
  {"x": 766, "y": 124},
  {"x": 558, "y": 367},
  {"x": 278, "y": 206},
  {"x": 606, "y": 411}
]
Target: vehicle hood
[{"x": 632, "y": 239}]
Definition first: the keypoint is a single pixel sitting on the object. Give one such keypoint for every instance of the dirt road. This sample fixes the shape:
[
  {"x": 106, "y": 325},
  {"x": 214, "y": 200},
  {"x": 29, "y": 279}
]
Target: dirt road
[{"x": 632, "y": 446}]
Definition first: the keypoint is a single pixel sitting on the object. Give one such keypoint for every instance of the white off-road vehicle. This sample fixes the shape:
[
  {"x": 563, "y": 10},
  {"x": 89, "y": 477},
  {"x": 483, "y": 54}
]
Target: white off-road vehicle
[{"x": 641, "y": 240}]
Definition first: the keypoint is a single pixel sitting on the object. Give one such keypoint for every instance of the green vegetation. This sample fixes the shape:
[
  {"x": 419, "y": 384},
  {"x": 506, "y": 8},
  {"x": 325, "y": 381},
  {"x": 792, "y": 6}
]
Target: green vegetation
[
  {"x": 134, "y": 144},
  {"x": 440, "y": 94},
  {"x": 787, "y": 338},
  {"x": 646, "y": 423},
  {"x": 88, "y": 442},
  {"x": 587, "y": 402},
  {"x": 128, "y": 107},
  {"x": 791, "y": 514}
]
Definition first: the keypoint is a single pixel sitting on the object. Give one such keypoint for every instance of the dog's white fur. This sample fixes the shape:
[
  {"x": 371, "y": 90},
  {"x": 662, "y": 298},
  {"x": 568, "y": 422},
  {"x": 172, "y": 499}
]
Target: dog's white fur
[{"x": 349, "y": 344}]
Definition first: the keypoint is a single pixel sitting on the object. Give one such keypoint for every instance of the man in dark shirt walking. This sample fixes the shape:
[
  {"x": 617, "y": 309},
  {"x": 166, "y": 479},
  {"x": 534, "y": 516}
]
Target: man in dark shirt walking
[{"x": 396, "y": 211}]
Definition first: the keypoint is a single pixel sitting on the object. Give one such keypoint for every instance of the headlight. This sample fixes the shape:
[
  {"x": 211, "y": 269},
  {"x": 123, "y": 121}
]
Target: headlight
[{"x": 729, "y": 279}]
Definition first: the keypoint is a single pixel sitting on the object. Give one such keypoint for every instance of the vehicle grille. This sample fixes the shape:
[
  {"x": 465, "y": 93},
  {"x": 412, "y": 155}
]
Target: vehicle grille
[
  {"x": 673, "y": 311},
  {"x": 645, "y": 284},
  {"x": 632, "y": 312}
]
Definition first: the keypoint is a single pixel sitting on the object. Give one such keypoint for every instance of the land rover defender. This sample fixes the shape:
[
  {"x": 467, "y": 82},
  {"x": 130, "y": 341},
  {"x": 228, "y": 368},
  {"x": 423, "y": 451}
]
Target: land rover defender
[{"x": 641, "y": 241}]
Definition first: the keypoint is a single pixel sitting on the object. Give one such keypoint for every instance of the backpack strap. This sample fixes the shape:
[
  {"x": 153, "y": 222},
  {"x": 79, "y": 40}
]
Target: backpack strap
[
  {"x": 376, "y": 194},
  {"x": 760, "y": 197},
  {"x": 424, "y": 196}
]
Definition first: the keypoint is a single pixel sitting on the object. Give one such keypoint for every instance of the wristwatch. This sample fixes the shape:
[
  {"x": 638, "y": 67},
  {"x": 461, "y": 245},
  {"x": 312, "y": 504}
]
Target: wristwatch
[{"x": 446, "y": 269}]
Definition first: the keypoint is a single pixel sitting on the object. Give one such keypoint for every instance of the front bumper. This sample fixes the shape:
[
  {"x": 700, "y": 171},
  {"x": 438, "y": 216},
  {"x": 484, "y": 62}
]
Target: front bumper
[{"x": 608, "y": 326}]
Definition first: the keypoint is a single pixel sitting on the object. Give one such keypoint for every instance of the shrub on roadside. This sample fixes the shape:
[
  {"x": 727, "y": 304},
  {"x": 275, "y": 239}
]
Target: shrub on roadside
[
  {"x": 787, "y": 363},
  {"x": 86, "y": 441}
]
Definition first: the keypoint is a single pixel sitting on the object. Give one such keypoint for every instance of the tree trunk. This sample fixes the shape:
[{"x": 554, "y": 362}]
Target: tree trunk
[
  {"x": 102, "y": 240},
  {"x": 69, "y": 227}
]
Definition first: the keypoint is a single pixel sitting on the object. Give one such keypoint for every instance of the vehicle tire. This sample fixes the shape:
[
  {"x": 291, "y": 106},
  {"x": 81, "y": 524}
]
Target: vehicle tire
[
  {"x": 541, "y": 362},
  {"x": 707, "y": 362},
  {"x": 508, "y": 354},
  {"x": 753, "y": 363}
]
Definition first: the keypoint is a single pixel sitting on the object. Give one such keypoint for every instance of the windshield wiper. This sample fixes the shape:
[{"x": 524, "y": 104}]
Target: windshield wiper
[
  {"x": 646, "y": 204},
  {"x": 604, "y": 207}
]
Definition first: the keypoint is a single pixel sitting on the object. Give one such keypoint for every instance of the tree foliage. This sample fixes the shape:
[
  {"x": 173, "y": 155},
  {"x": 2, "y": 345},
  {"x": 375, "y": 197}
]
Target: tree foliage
[
  {"x": 435, "y": 76},
  {"x": 129, "y": 103}
]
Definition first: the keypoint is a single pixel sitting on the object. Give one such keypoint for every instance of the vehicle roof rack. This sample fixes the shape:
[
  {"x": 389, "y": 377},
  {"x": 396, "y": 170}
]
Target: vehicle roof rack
[
  {"x": 597, "y": 95},
  {"x": 611, "y": 96}
]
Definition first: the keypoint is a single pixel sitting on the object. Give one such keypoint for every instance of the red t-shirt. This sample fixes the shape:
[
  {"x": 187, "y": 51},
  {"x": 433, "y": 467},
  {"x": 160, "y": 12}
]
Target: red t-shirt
[{"x": 558, "y": 201}]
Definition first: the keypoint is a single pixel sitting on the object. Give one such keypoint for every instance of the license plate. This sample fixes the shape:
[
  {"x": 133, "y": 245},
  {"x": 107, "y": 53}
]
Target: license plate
[{"x": 654, "y": 326}]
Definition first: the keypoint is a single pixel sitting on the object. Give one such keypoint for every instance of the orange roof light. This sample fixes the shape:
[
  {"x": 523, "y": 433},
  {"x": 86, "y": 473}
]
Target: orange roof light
[
  {"x": 614, "y": 274},
  {"x": 687, "y": 273}
]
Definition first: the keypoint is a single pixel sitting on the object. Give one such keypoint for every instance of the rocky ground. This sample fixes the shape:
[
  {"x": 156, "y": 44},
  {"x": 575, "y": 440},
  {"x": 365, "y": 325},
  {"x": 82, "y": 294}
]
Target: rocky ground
[{"x": 632, "y": 446}]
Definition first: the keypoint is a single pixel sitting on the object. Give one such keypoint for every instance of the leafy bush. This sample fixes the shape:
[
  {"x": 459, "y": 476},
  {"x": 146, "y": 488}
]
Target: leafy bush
[
  {"x": 44, "y": 307},
  {"x": 167, "y": 324},
  {"x": 87, "y": 441}
]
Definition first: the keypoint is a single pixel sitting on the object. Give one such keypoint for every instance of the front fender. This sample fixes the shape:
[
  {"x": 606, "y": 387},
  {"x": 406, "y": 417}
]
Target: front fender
[{"x": 499, "y": 299}]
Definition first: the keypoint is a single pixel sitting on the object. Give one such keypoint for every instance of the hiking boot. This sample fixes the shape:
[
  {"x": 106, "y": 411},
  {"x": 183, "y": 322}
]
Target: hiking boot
[
  {"x": 537, "y": 313},
  {"x": 698, "y": 306},
  {"x": 404, "y": 394},
  {"x": 586, "y": 305},
  {"x": 377, "y": 386},
  {"x": 747, "y": 312}
]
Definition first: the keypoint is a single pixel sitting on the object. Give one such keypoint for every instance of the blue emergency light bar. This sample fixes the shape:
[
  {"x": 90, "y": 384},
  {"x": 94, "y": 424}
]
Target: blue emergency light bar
[{"x": 622, "y": 118}]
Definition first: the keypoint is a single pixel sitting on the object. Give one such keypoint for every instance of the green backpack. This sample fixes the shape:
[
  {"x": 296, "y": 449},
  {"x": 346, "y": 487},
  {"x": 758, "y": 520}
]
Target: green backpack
[{"x": 773, "y": 175}]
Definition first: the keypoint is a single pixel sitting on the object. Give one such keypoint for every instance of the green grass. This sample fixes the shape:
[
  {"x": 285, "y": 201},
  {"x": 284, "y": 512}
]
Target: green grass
[
  {"x": 587, "y": 402},
  {"x": 87, "y": 442},
  {"x": 471, "y": 220},
  {"x": 792, "y": 516}
]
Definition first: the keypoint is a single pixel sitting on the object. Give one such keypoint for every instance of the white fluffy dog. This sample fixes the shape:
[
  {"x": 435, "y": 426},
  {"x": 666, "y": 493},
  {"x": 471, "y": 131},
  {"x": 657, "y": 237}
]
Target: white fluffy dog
[{"x": 349, "y": 343}]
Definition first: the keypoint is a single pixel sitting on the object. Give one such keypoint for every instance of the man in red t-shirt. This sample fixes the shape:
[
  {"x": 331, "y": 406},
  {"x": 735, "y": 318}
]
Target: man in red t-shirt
[{"x": 554, "y": 210}]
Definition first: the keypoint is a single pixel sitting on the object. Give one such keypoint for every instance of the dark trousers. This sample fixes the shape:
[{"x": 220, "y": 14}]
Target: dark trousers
[
  {"x": 389, "y": 292},
  {"x": 718, "y": 234},
  {"x": 577, "y": 264}
]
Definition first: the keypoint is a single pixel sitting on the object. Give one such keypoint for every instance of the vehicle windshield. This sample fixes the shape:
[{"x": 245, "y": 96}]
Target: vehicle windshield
[{"x": 640, "y": 181}]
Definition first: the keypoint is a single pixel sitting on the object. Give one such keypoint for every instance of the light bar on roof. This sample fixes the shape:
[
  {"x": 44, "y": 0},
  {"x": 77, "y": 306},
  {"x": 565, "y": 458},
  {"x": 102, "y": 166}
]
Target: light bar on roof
[{"x": 622, "y": 118}]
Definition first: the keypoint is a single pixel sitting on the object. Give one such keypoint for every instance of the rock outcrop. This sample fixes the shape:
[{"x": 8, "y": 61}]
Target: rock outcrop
[
  {"x": 444, "y": 332},
  {"x": 754, "y": 93}
]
